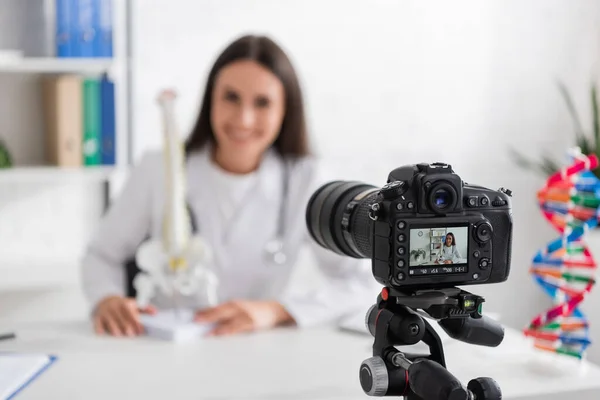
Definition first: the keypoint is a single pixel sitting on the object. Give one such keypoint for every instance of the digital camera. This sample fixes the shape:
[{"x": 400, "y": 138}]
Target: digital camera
[{"x": 424, "y": 229}]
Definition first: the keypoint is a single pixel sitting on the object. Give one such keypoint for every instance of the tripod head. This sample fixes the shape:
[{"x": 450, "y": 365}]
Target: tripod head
[{"x": 396, "y": 320}]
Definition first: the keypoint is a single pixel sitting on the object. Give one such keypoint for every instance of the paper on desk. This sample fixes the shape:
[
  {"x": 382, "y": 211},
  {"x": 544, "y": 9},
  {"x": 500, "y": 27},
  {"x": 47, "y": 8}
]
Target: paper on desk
[
  {"x": 174, "y": 326},
  {"x": 19, "y": 370}
]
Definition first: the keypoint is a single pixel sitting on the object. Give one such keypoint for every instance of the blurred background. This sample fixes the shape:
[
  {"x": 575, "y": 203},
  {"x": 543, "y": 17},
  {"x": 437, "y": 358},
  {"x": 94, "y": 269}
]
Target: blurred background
[{"x": 386, "y": 83}]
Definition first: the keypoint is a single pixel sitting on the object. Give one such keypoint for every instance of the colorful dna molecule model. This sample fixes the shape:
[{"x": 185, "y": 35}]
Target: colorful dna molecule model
[{"x": 565, "y": 268}]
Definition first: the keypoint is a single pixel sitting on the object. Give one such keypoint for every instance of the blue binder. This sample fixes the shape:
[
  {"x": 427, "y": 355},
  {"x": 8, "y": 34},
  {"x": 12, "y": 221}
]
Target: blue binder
[
  {"x": 104, "y": 40},
  {"x": 107, "y": 121},
  {"x": 65, "y": 34},
  {"x": 85, "y": 28}
]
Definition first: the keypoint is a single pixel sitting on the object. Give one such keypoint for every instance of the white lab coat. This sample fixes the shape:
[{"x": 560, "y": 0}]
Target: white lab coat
[
  {"x": 349, "y": 286},
  {"x": 449, "y": 253}
]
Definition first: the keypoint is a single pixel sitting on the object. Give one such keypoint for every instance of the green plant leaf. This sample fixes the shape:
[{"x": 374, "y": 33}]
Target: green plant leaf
[
  {"x": 585, "y": 145},
  {"x": 5, "y": 158},
  {"x": 579, "y": 133},
  {"x": 519, "y": 159},
  {"x": 545, "y": 167},
  {"x": 595, "y": 119},
  {"x": 549, "y": 166}
]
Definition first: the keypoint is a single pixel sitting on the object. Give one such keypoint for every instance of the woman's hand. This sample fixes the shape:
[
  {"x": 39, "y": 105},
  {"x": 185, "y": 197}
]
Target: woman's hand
[
  {"x": 244, "y": 316},
  {"x": 119, "y": 316}
]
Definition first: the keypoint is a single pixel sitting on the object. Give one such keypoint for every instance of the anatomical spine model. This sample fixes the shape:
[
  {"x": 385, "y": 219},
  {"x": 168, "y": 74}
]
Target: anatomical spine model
[{"x": 179, "y": 262}]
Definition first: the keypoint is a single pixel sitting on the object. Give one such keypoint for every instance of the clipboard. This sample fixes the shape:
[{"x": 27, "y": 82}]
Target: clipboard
[{"x": 24, "y": 369}]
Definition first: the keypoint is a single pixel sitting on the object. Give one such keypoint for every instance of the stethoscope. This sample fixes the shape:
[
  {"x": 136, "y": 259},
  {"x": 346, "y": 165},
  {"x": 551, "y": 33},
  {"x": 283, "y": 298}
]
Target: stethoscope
[{"x": 274, "y": 251}]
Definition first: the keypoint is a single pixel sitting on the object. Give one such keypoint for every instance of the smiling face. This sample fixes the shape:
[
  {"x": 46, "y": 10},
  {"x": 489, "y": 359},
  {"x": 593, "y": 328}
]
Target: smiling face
[
  {"x": 449, "y": 240},
  {"x": 248, "y": 106}
]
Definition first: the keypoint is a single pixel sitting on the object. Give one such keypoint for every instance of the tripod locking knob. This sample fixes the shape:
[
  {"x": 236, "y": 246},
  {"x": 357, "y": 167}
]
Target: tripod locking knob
[
  {"x": 485, "y": 389},
  {"x": 374, "y": 377}
]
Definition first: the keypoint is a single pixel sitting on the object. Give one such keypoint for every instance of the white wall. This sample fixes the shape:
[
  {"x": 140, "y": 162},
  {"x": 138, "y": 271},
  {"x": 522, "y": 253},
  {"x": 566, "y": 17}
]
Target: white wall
[
  {"x": 389, "y": 83},
  {"x": 419, "y": 243}
]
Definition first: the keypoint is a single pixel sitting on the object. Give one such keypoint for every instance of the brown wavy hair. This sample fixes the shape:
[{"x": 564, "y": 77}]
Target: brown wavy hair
[
  {"x": 453, "y": 239},
  {"x": 293, "y": 137}
]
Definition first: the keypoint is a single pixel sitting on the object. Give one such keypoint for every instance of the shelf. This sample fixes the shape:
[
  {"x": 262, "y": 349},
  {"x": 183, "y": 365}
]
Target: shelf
[
  {"x": 41, "y": 174},
  {"x": 56, "y": 65}
]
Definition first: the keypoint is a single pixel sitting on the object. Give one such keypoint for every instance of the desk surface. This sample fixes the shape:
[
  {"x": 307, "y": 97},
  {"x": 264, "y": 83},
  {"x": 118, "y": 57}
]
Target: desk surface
[
  {"x": 316, "y": 364},
  {"x": 433, "y": 264}
]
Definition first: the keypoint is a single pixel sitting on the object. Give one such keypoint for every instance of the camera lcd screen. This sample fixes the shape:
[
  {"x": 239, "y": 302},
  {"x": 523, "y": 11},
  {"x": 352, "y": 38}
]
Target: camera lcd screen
[{"x": 439, "y": 246}]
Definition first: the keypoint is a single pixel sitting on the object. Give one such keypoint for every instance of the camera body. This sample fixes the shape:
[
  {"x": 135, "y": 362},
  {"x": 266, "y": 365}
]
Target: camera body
[
  {"x": 432, "y": 230},
  {"x": 426, "y": 232}
]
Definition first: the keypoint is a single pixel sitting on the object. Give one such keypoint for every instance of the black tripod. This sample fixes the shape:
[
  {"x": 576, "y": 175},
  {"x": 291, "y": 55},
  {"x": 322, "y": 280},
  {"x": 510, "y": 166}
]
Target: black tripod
[{"x": 394, "y": 321}]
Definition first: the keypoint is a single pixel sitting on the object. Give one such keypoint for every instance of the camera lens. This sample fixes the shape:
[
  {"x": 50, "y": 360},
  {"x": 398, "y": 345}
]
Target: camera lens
[
  {"x": 325, "y": 212},
  {"x": 483, "y": 232},
  {"x": 442, "y": 197}
]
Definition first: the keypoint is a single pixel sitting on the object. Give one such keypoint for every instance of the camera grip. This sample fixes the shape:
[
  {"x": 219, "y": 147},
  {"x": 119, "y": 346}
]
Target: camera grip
[{"x": 482, "y": 331}]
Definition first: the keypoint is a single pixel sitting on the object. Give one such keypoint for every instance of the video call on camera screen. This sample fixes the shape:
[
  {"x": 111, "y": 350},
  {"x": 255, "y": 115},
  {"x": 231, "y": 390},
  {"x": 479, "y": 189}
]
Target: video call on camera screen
[{"x": 438, "y": 246}]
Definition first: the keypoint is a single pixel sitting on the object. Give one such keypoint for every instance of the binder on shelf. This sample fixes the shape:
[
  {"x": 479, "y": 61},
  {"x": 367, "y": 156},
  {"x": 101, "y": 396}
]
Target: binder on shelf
[
  {"x": 62, "y": 111},
  {"x": 84, "y": 28},
  {"x": 65, "y": 34},
  {"x": 107, "y": 121},
  {"x": 91, "y": 122},
  {"x": 105, "y": 29}
]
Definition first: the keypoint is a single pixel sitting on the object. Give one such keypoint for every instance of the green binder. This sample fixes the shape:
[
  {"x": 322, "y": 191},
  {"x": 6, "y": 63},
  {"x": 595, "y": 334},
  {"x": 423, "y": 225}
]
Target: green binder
[{"x": 91, "y": 121}]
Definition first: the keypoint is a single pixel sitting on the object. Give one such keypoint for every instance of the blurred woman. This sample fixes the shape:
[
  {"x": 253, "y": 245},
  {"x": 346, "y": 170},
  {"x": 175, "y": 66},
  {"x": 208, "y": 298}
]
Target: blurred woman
[
  {"x": 449, "y": 253},
  {"x": 250, "y": 174}
]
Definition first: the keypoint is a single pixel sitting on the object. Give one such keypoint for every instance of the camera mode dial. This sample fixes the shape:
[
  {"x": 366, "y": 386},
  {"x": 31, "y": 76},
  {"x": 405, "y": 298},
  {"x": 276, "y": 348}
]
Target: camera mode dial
[{"x": 392, "y": 190}]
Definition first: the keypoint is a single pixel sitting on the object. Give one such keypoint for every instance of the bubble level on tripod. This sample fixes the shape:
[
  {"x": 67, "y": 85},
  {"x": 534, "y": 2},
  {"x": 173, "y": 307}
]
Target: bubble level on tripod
[{"x": 468, "y": 303}]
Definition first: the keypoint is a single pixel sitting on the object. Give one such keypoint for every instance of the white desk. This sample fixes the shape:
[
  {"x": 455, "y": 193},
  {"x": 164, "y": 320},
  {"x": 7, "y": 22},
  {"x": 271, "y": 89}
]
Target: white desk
[{"x": 315, "y": 364}]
